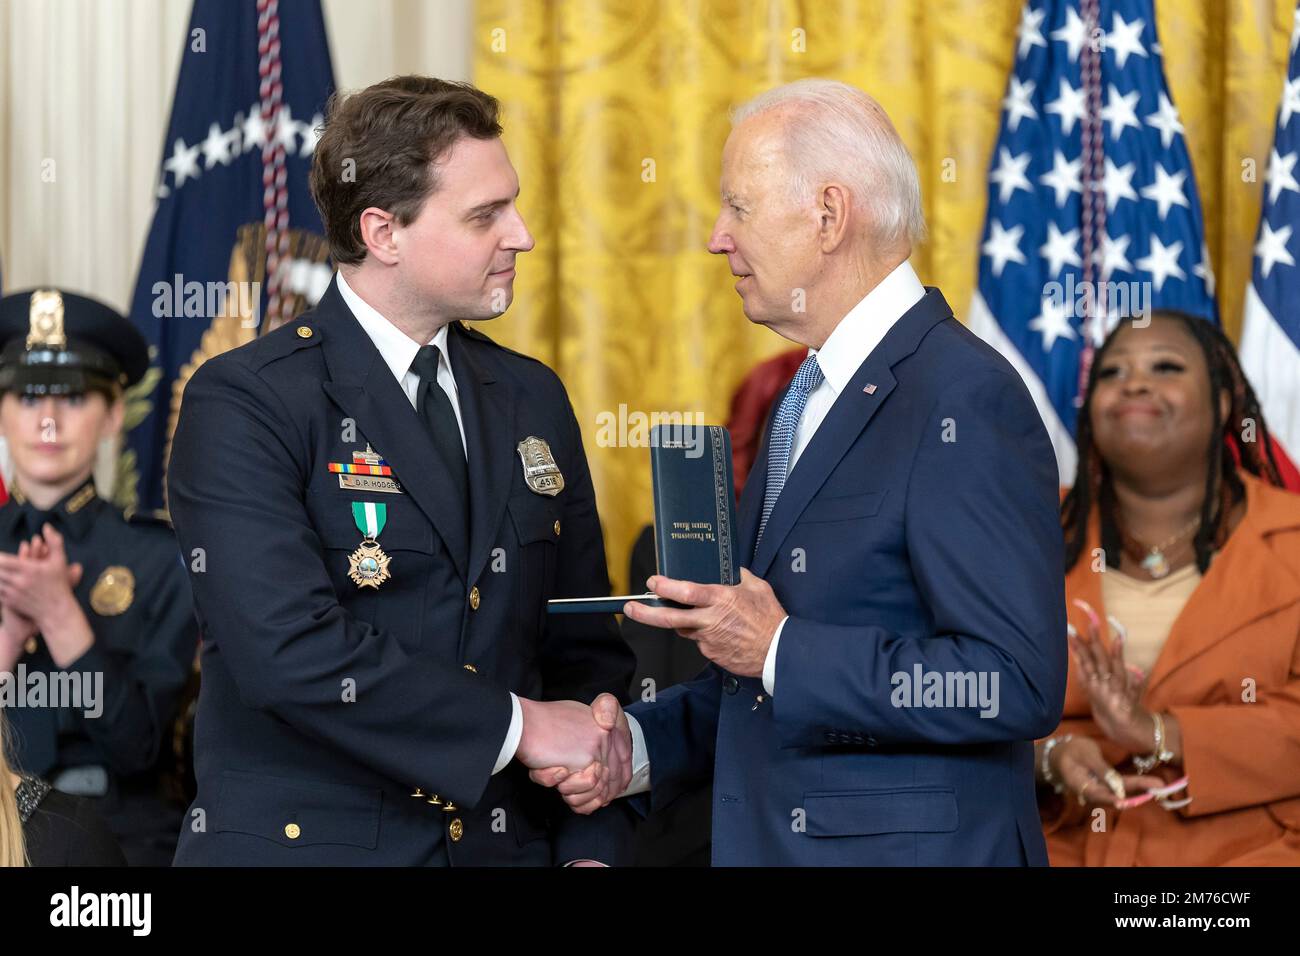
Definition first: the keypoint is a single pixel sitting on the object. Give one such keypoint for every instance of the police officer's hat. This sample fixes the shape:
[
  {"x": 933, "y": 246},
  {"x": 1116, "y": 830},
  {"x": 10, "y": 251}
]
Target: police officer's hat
[{"x": 58, "y": 343}]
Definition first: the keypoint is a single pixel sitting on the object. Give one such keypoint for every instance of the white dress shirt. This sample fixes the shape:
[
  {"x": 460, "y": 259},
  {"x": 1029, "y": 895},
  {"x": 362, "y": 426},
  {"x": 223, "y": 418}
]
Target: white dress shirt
[
  {"x": 841, "y": 355},
  {"x": 398, "y": 351}
]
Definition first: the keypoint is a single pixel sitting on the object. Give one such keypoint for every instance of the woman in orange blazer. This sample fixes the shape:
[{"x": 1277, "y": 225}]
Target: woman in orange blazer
[{"x": 1180, "y": 740}]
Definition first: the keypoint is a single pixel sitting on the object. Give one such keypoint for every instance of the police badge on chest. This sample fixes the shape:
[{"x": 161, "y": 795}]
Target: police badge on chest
[{"x": 541, "y": 473}]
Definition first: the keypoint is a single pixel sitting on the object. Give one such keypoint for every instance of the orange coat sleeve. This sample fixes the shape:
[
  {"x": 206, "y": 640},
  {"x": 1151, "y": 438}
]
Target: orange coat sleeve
[{"x": 1243, "y": 754}]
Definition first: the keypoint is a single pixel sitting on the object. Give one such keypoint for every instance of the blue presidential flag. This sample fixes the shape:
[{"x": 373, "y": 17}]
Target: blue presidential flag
[
  {"x": 1093, "y": 212},
  {"x": 1270, "y": 338},
  {"x": 235, "y": 247}
]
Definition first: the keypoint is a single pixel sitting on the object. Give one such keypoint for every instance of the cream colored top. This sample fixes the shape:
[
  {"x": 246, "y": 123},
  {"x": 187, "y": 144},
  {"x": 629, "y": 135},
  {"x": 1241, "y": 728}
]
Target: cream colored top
[{"x": 1147, "y": 609}]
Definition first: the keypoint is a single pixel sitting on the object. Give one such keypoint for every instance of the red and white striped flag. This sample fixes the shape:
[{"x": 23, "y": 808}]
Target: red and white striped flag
[{"x": 1270, "y": 339}]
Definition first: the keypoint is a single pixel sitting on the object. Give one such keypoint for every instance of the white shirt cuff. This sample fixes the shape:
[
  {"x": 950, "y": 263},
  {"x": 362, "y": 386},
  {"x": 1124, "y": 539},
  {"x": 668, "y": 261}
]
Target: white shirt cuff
[
  {"x": 640, "y": 782},
  {"x": 513, "y": 736},
  {"x": 769, "y": 664}
]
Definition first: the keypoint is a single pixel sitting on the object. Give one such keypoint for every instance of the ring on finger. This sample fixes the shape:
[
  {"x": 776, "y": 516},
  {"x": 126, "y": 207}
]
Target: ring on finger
[{"x": 1115, "y": 782}]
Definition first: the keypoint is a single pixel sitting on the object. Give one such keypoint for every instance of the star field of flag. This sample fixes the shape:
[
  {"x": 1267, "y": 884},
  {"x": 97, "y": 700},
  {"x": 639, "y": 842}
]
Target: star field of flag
[{"x": 1154, "y": 230}]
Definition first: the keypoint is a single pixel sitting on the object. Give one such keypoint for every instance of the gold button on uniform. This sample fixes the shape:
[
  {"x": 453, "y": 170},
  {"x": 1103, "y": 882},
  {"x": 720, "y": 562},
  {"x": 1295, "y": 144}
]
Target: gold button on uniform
[
  {"x": 292, "y": 831},
  {"x": 557, "y": 527},
  {"x": 471, "y": 668},
  {"x": 304, "y": 332},
  {"x": 474, "y": 598},
  {"x": 456, "y": 830}
]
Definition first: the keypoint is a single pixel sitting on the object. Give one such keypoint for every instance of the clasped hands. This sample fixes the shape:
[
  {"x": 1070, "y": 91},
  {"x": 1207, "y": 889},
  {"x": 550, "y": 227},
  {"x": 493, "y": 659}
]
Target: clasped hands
[
  {"x": 586, "y": 753},
  {"x": 1115, "y": 691},
  {"x": 36, "y": 595}
]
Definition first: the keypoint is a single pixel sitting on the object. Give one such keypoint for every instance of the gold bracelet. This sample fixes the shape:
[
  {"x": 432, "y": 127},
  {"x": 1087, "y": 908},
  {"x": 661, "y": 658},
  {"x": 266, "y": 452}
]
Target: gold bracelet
[
  {"x": 1161, "y": 754},
  {"x": 1045, "y": 765}
]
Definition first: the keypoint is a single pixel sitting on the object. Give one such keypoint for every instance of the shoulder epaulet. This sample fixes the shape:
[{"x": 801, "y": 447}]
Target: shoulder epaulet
[
  {"x": 287, "y": 339},
  {"x": 478, "y": 336},
  {"x": 155, "y": 517}
]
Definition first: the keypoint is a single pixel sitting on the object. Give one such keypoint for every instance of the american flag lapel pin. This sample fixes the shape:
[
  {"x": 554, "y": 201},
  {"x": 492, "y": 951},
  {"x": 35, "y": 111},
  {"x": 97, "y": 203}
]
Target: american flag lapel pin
[{"x": 870, "y": 389}]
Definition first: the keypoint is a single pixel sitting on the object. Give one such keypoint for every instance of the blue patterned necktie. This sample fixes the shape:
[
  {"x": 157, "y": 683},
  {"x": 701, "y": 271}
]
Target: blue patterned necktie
[{"x": 788, "y": 414}]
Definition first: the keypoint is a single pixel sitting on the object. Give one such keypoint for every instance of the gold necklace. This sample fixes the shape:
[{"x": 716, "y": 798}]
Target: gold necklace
[{"x": 1154, "y": 561}]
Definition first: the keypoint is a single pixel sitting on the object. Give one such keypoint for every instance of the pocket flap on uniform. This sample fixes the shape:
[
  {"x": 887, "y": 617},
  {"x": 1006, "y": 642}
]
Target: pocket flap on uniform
[
  {"x": 535, "y": 517},
  {"x": 298, "y": 812},
  {"x": 833, "y": 813}
]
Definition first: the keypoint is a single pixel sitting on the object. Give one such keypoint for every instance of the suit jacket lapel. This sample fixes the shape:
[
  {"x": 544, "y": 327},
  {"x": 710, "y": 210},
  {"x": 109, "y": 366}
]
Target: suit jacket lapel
[
  {"x": 488, "y": 413},
  {"x": 365, "y": 390},
  {"x": 751, "y": 500},
  {"x": 837, "y": 432},
  {"x": 851, "y": 413}
]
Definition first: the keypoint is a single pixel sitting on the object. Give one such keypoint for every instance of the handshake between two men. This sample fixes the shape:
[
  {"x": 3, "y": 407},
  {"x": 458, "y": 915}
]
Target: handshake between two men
[{"x": 585, "y": 753}]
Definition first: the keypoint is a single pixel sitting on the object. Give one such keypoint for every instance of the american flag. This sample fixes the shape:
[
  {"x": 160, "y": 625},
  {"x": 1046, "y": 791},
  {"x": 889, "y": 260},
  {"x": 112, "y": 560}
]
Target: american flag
[
  {"x": 1270, "y": 340},
  {"x": 1091, "y": 197}
]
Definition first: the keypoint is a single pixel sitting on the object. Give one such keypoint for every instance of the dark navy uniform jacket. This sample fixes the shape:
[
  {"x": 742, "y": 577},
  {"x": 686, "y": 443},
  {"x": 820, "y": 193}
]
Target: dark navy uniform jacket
[
  {"x": 332, "y": 716},
  {"x": 917, "y": 535},
  {"x": 145, "y": 641}
]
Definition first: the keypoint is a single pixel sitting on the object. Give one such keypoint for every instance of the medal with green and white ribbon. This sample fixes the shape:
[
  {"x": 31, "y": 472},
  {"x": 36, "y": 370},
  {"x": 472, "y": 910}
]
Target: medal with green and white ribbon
[{"x": 368, "y": 565}]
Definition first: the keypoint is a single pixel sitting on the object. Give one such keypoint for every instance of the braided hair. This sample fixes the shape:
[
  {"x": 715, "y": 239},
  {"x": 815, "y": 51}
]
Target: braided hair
[{"x": 1223, "y": 488}]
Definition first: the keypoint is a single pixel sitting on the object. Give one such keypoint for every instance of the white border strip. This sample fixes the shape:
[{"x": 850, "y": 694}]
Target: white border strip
[{"x": 986, "y": 327}]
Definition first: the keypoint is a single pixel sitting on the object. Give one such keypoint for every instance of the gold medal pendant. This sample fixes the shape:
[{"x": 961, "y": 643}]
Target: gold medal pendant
[{"x": 368, "y": 565}]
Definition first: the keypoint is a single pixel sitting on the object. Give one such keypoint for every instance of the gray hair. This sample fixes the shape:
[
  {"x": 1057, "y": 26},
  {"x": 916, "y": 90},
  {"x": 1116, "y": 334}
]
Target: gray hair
[{"x": 838, "y": 133}]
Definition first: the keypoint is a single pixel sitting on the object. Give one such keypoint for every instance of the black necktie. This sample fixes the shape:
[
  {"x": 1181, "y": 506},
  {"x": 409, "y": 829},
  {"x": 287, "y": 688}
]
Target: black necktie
[{"x": 435, "y": 407}]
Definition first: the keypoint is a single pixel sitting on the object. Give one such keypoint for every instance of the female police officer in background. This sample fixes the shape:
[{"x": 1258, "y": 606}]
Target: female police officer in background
[{"x": 88, "y": 597}]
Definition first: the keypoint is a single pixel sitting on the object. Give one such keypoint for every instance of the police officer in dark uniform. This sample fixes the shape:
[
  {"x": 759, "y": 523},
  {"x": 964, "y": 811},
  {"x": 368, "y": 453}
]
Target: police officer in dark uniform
[
  {"x": 376, "y": 503},
  {"x": 96, "y": 615}
]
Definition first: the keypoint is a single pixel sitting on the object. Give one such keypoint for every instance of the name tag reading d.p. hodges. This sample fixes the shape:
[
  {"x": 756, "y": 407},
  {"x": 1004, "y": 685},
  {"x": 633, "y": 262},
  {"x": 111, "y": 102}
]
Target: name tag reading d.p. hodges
[{"x": 366, "y": 472}]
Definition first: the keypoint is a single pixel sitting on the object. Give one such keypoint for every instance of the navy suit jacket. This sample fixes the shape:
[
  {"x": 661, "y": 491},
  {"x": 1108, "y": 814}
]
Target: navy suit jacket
[
  {"x": 917, "y": 534},
  {"x": 325, "y": 705}
]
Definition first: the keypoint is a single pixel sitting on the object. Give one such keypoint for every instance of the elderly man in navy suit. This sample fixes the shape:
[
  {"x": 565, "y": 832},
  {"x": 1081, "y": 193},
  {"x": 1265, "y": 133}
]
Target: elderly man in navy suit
[{"x": 897, "y": 642}]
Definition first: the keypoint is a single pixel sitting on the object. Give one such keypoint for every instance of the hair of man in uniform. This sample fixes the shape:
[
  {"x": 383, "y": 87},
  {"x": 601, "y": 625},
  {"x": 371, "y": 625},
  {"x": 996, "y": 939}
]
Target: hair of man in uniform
[
  {"x": 1223, "y": 488},
  {"x": 13, "y": 848},
  {"x": 380, "y": 147}
]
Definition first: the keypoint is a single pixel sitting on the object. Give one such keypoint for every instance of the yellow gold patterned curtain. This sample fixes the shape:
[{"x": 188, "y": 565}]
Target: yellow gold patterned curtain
[{"x": 615, "y": 114}]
